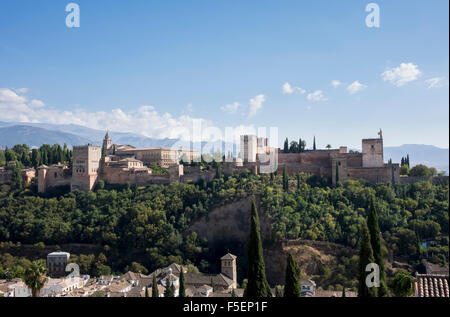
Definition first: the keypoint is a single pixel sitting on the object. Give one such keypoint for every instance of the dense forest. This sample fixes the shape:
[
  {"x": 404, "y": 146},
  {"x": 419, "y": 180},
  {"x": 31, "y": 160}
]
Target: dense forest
[{"x": 143, "y": 228}]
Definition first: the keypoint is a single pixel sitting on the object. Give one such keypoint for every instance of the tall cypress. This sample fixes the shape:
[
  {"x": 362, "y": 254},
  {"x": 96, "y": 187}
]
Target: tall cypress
[
  {"x": 286, "y": 146},
  {"x": 292, "y": 286},
  {"x": 375, "y": 241},
  {"x": 285, "y": 180},
  {"x": 155, "y": 292},
  {"x": 314, "y": 143},
  {"x": 146, "y": 291},
  {"x": 343, "y": 292},
  {"x": 365, "y": 257},
  {"x": 182, "y": 290},
  {"x": 257, "y": 285}
]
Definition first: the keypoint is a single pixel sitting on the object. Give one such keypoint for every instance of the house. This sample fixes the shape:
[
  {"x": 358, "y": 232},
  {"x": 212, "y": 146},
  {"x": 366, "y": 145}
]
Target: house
[
  {"x": 308, "y": 287},
  {"x": 14, "y": 288},
  {"x": 56, "y": 263}
]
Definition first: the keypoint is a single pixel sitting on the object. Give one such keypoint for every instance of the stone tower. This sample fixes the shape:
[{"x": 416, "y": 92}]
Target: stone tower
[
  {"x": 229, "y": 267},
  {"x": 372, "y": 152},
  {"x": 249, "y": 148},
  {"x": 107, "y": 144},
  {"x": 85, "y": 167}
]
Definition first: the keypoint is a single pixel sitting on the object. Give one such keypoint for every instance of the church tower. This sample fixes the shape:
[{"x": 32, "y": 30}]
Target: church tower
[
  {"x": 107, "y": 144},
  {"x": 229, "y": 267}
]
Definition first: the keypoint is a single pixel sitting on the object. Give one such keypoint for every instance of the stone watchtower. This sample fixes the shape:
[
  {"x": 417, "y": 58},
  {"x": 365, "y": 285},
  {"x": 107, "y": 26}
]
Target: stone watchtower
[
  {"x": 228, "y": 267},
  {"x": 85, "y": 167},
  {"x": 372, "y": 152}
]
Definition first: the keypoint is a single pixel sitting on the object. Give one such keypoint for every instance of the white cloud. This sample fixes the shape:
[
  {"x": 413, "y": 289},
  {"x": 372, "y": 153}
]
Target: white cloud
[
  {"x": 231, "y": 108},
  {"x": 316, "y": 96},
  {"x": 335, "y": 83},
  {"x": 355, "y": 87},
  {"x": 36, "y": 103},
  {"x": 255, "y": 104},
  {"x": 22, "y": 90},
  {"x": 288, "y": 89},
  {"x": 435, "y": 82},
  {"x": 145, "y": 120},
  {"x": 405, "y": 73}
]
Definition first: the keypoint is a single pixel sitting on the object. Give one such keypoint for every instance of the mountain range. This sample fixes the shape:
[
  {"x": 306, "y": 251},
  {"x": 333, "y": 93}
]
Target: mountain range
[{"x": 36, "y": 134}]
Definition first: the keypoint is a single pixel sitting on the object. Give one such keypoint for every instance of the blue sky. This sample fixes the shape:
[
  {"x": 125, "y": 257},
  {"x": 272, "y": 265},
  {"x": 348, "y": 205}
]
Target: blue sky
[{"x": 153, "y": 66}]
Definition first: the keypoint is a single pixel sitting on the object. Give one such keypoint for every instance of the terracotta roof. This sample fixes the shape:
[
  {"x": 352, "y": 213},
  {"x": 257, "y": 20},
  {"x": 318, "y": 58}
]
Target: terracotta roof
[
  {"x": 219, "y": 280},
  {"x": 431, "y": 285}
]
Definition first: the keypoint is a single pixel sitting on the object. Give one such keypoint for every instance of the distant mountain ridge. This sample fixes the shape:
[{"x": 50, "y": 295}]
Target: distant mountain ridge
[{"x": 36, "y": 134}]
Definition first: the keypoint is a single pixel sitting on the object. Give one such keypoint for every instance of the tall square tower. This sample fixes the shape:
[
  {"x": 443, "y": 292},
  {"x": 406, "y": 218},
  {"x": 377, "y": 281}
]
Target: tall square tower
[
  {"x": 372, "y": 152},
  {"x": 85, "y": 167},
  {"x": 249, "y": 148},
  {"x": 228, "y": 262}
]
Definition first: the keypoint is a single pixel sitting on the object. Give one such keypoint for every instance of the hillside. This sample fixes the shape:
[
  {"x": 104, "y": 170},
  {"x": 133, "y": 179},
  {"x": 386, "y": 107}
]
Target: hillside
[{"x": 420, "y": 154}]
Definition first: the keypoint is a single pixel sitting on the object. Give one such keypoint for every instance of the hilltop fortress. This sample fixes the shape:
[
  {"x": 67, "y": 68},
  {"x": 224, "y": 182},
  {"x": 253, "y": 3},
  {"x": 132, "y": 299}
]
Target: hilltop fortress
[{"x": 122, "y": 164}]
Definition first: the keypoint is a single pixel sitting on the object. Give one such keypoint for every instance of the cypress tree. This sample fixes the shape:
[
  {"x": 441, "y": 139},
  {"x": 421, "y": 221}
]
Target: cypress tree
[
  {"x": 407, "y": 160},
  {"x": 155, "y": 292},
  {"x": 293, "y": 274},
  {"x": 343, "y": 292},
  {"x": 285, "y": 180},
  {"x": 375, "y": 241},
  {"x": 365, "y": 257},
  {"x": 146, "y": 291},
  {"x": 182, "y": 291},
  {"x": 314, "y": 143},
  {"x": 286, "y": 146},
  {"x": 16, "y": 177},
  {"x": 257, "y": 285}
]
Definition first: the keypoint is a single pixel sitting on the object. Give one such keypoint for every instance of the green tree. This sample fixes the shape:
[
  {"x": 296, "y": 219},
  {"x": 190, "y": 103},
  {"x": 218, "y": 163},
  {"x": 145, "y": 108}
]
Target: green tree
[
  {"x": 375, "y": 241},
  {"x": 257, "y": 285},
  {"x": 182, "y": 290},
  {"x": 343, "y": 292},
  {"x": 285, "y": 180},
  {"x": 286, "y": 146},
  {"x": 402, "y": 284},
  {"x": 155, "y": 292},
  {"x": 146, "y": 291},
  {"x": 292, "y": 286},
  {"x": 365, "y": 257},
  {"x": 314, "y": 143},
  {"x": 420, "y": 170},
  {"x": 404, "y": 170},
  {"x": 170, "y": 289},
  {"x": 34, "y": 277},
  {"x": 233, "y": 293},
  {"x": 16, "y": 178},
  {"x": 328, "y": 146}
]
